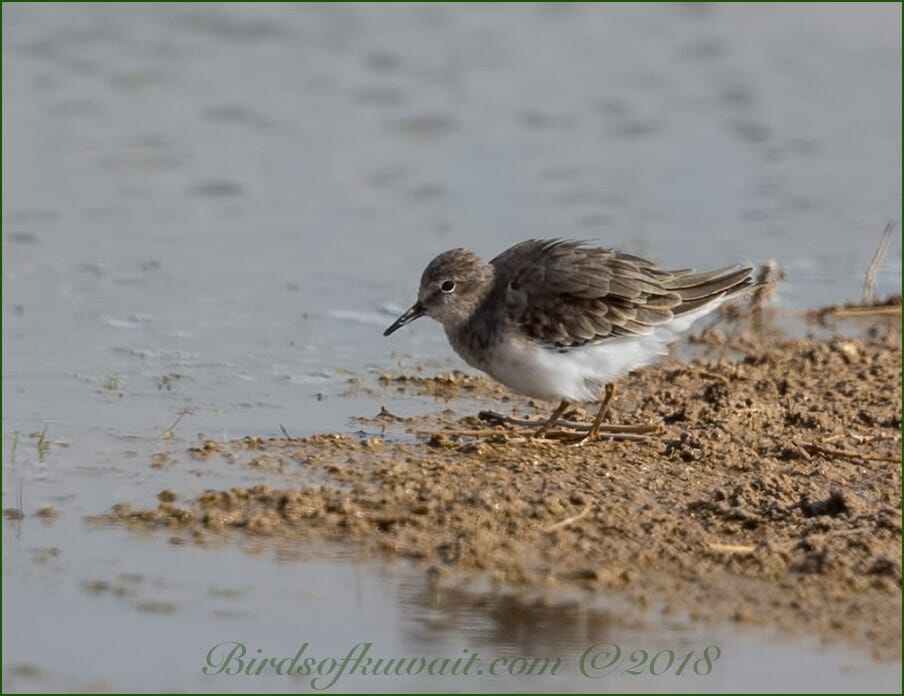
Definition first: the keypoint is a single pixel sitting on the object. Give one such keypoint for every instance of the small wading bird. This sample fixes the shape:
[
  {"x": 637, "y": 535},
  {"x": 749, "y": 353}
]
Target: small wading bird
[{"x": 558, "y": 320}]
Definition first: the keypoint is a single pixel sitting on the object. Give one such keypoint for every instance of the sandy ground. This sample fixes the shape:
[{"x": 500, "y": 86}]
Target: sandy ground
[{"x": 771, "y": 493}]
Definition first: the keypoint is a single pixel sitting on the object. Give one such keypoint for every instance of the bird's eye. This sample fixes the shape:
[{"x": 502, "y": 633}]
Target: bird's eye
[{"x": 448, "y": 286}]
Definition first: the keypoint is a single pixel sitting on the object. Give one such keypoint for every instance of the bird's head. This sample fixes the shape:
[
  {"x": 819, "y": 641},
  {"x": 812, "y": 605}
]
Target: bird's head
[{"x": 452, "y": 287}]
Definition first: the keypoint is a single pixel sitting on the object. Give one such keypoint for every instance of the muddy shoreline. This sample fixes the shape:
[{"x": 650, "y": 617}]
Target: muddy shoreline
[{"x": 771, "y": 494}]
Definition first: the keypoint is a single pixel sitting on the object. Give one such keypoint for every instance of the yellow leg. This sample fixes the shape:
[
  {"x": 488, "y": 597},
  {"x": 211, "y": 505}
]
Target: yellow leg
[
  {"x": 553, "y": 419},
  {"x": 594, "y": 432}
]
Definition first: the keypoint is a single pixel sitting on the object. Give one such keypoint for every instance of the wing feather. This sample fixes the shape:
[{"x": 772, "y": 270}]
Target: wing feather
[{"x": 564, "y": 293}]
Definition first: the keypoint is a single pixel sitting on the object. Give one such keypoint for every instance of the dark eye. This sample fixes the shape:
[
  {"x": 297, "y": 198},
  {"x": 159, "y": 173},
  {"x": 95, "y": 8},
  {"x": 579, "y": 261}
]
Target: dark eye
[{"x": 448, "y": 286}]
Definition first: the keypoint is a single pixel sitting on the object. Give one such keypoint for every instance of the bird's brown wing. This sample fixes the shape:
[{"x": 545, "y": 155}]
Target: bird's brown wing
[{"x": 565, "y": 294}]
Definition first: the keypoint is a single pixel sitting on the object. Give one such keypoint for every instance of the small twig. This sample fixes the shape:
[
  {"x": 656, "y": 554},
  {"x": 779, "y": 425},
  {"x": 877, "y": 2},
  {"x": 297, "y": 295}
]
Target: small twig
[
  {"x": 582, "y": 439},
  {"x": 19, "y": 514},
  {"x": 833, "y": 533},
  {"x": 744, "y": 549},
  {"x": 732, "y": 548},
  {"x": 874, "y": 438},
  {"x": 801, "y": 450},
  {"x": 864, "y": 311},
  {"x": 846, "y": 454},
  {"x": 462, "y": 433},
  {"x": 553, "y": 435},
  {"x": 487, "y": 432},
  {"x": 284, "y": 432},
  {"x": 869, "y": 284},
  {"x": 43, "y": 445},
  {"x": 168, "y": 433},
  {"x": 494, "y": 416},
  {"x": 569, "y": 520}
]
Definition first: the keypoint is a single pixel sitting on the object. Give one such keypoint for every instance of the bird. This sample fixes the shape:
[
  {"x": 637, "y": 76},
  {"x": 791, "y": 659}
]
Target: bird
[{"x": 559, "y": 319}]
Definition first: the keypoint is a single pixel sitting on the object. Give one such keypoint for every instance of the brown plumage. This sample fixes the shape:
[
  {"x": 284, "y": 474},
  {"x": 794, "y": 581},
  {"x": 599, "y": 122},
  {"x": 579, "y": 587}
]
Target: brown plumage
[{"x": 565, "y": 294}]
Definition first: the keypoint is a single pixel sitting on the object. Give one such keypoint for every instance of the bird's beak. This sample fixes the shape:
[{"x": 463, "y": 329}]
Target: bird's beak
[{"x": 416, "y": 310}]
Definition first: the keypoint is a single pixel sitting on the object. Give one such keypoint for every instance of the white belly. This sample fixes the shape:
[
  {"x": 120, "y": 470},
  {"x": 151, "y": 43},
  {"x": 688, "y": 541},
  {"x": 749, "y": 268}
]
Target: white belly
[{"x": 578, "y": 373}]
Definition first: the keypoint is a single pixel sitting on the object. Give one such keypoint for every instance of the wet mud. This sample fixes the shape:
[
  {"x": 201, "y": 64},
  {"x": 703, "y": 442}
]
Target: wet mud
[{"x": 770, "y": 493}]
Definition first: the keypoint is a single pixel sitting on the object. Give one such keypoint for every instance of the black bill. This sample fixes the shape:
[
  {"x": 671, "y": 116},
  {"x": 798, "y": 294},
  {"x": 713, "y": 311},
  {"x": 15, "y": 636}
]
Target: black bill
[{"x": 416, "y": 310}]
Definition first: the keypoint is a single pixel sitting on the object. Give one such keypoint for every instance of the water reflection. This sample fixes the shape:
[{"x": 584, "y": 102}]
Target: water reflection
[{"x": 525, "y": 623}]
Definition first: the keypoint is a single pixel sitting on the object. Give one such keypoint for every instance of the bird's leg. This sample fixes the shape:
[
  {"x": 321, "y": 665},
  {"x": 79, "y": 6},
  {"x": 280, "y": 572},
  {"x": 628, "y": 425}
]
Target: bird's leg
[
  {"x": 552, "y": 420},
  {"x": 594, "y": 432}
]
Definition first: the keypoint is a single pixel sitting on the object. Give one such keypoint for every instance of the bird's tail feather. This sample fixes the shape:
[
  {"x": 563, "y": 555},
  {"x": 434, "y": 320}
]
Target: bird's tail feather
[{"x": 700, "y": 289}]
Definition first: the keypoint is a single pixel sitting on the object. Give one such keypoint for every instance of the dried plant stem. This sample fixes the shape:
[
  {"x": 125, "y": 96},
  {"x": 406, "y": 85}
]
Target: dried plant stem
[
  {"x": 569, "y": 520},
  {"x": 846, "y": 454},
  {"x": 869, "y": 284},
  {"x": 607, "y": 428}
]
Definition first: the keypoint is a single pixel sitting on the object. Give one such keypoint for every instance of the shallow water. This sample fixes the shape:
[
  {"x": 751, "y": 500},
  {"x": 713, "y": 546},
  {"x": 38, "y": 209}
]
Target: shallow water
[{"x": 220, "y": 207}]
